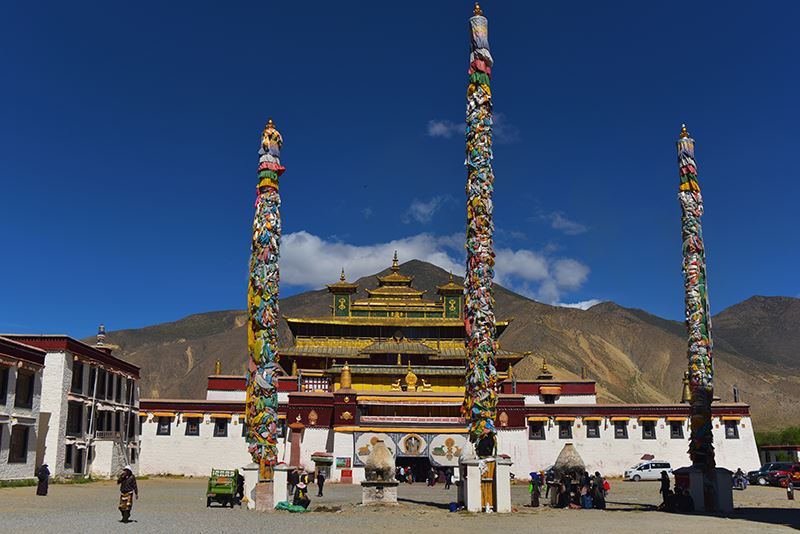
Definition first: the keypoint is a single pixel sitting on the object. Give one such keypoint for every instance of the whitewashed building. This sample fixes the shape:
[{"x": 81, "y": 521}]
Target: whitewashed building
[
  {"x": 88, "y": 424},
  {"x": 20, "y": 400},
  {"x": 333, "y": 430}
]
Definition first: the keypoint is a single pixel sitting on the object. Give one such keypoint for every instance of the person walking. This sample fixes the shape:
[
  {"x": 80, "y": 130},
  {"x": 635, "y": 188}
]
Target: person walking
[
  {"x": 598, "y": 492},
  {"x": 293, "y": 479},
  {"x": 535, "y": 489},
  {"x": 448, "y": 477},
  {"x": 43, "y": 474},
  {"x": 664, "y": 487},
  {"x": 127, "y": 489},
  {"x": 320, "y": 482},
  {"x": 549, "y": 480}
]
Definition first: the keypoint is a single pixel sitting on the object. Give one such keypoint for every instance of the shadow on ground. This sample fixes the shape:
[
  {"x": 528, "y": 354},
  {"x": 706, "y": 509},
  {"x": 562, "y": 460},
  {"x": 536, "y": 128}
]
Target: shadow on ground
[{"x": 774, "y": 516}]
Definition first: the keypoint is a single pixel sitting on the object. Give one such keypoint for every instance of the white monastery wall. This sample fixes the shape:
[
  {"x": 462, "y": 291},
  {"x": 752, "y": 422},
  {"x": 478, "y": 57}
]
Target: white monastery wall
[
  {"x": 180, "y": 454},
  {"x": 535, "y": 400},
  {"x": 314, "y": 440},
  {"x": 612, "y": 456},
  {"x": 735, "y": 453},
  {"x": 343, "y": 448},
  {"x": 223, "y": 395},
  {"x": 55, "y": 384},
  {"x": 20, "y": 416}
]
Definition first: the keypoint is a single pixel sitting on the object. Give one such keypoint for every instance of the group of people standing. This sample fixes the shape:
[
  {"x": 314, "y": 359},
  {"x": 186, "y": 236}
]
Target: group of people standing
[{"x": 577, "y": 492}]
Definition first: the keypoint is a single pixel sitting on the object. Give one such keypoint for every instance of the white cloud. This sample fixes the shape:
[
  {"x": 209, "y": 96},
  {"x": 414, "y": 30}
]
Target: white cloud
[
  {"x": 503, "y": 132},
  {"x": 581, "y": 305},
  {"x": 559, "y": 222},
  {"x": 423, "y": 212},
  {"x": 311, "y": 261},
  {"x": 444, "y": 128}
]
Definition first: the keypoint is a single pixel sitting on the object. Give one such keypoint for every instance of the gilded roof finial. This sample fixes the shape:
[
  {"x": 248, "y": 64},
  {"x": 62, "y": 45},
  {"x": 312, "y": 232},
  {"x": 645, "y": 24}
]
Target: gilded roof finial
[
  {"x": 478, "y": 12},
  {"x": 451, "y": 277},
  {"x": 544, "y": 364},
  {"x": 346, "y": 378},
  {"x": 395, "y": 265},
  {"x": 218, "y": 367},
  {"x": 684, "y": 132},
  {"x": 341, "y": 278}
]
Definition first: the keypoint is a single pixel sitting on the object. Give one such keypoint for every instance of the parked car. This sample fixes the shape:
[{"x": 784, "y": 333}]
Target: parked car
[
  {"x": 781, "y": 476},
  {"x": 649, "y": 470},
  {"x": 764, "y": 475}
]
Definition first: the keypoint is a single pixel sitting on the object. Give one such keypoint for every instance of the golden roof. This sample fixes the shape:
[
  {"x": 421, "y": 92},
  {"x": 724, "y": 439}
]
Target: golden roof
[
  {"x": 395, "y": 277},
  {"x": 343, "y": 285},
  {"x": 450, "y": 287}
]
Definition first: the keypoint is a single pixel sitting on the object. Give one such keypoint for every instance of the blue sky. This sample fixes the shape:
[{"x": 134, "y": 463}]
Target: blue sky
[{"x": 129, "y": 137}]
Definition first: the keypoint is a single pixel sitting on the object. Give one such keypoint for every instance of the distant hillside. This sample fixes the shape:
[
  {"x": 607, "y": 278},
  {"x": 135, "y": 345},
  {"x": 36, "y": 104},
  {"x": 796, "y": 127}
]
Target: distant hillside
[{"x": 634, "y": 356}]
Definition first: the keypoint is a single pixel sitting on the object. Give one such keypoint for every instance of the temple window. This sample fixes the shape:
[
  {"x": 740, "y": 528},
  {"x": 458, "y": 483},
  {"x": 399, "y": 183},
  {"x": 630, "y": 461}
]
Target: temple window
[
  {"x": 164, "y": 426},
  {"x": 648, "y": 430},
  {"x": 74, "y": 418},
  {"x": 3, "y": 384},
  {"x": 77, "y": 377},
  {"x": 18, "y": 445},
  {"x": 731, "y": 429},
  {"x": 620, "y": 429},
  {"x": 100, "y": 392},
  {"x": 193, "y": 427},
  {"x": 536, "y": 430},
  {"x": 565, "y": 429},
  {"x": 676, "y": 430},
  {"x": 592, "y": 429},
  {"x": 220, "y": 427},
  {"x": 68, "y": 456},
  {"x": 24, "y": 390}
]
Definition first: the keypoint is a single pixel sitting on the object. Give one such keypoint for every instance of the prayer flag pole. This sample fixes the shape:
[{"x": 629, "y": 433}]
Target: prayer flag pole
[
  {"x": 698, "y": 318},
  {"x": 480, "y": 398},
  {"x": 262, "y": 305}
]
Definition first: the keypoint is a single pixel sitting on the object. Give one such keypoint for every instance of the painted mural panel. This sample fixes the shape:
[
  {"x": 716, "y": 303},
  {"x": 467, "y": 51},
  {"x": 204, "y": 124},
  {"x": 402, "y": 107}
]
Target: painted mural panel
[
  {"x": 445, "y": 449},
  {"x": 366, "y": 440}
]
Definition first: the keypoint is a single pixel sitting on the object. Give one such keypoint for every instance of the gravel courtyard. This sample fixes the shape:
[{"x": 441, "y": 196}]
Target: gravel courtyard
[{"x": 178, "y": 505}]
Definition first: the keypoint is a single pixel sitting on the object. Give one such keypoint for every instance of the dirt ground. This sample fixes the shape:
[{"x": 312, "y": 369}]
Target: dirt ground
[{"x": 178, "y": 505}]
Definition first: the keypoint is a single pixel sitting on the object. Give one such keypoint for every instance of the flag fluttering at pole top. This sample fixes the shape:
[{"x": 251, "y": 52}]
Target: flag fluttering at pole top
[
  {"x": 698, "y": 313},
  {"x": 480, "y": 398},
  {"x": 262, "y": 305}
]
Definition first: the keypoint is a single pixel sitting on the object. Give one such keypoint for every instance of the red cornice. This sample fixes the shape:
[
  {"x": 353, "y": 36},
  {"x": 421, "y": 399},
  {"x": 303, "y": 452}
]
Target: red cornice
[
  {"x": 76, "y": 347},
  {"x": 227, "y": 383},
  {"x": 20, "y": 351},
  {"x": 191, "y": 405},
  {"x": 631, "y": 410}
]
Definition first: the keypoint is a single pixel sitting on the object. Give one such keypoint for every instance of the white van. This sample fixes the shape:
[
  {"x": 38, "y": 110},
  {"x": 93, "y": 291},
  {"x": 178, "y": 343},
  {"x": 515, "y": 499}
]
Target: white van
[{"x": 650, "y": 470}]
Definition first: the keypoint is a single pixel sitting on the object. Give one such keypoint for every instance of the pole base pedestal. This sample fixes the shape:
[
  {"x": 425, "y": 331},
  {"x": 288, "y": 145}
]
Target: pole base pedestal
[{"x": 469, "y": 491}]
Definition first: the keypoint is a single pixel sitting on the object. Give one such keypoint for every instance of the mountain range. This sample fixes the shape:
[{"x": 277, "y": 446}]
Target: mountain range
[{"x": 635, "y": 356}]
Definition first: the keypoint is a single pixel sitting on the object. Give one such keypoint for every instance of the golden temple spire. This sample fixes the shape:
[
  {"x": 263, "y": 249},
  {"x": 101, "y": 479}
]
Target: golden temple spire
[
  {"x": 342, "y": 278},
  {"x": 218, "y": 368},
  {"x": 478, "y": 12},
  {"x": 686, "y": 394},
  {"x": 346, "y": 379},
  {"x": 510, "y": 371},
  {"x": 684, "y": 132},
  {"x": 294, "y": 368},
  {"x": 395, "y": 265},
  {"x": 544, "y": 364}
]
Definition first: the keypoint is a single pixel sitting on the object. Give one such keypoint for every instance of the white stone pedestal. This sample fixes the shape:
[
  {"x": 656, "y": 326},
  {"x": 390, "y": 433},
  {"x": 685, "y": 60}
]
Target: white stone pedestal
[
  {"x": 277, "y": 493},
  {"x": 693, "y": 478},
  {"x": 250, "y": 474},
  {"x": 469, "y": 491},
  {"x": 378, "y": 492}
]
